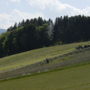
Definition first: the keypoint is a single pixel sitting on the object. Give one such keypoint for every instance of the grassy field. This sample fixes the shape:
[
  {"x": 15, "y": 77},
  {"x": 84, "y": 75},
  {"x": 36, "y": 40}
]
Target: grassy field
[
  {"x": 72, "y": 73},
  {"x": 33, "y": 56},
  {"x": 74, "y": 78},
  {"x": 63, "y": 61}
]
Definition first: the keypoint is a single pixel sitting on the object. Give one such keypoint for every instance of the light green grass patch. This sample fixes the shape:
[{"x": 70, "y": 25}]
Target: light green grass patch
[
  {"x": 33, "y": 56},
  {"x": 75, "y": 78}
]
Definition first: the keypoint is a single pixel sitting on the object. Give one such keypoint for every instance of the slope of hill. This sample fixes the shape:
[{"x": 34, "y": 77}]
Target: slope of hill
[
  {"x": 67, "y": 69},
  {"x": 73, "y": 78},
  {"x": 76, "y": 78},
  {"x": 34, "y": 56},
  {"x": 18, "y": 61},
  {"x": 78, "y": 57}
]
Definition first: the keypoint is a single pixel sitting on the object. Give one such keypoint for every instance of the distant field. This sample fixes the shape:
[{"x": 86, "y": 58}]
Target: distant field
[
  {"x": 33, "y": 56},
  {"x": 75, "y": 78}
]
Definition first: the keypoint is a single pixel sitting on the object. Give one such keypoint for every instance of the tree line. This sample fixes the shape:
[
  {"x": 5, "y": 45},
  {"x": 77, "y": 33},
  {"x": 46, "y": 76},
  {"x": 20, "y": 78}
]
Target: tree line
[{"x": 38, "y": 32}]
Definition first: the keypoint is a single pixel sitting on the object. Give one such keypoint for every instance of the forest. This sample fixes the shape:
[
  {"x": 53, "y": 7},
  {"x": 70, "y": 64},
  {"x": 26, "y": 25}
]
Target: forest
[{"x": 38, "y": 33}]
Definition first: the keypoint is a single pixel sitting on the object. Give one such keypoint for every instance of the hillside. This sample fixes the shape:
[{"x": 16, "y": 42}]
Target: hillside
[
  {"x": 35, "y": 60},
  {"x": 67, "y": 68},
  {"x": 75, "y": 78},
  {"x": 37, "y": 55}
]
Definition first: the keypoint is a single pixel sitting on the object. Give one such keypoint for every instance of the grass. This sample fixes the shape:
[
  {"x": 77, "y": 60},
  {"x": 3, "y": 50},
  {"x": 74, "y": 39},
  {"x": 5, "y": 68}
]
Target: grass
[
  {"x": 60, "y": 62},
  {"x": 83, "y": 56},
  {"x": 33, "y": 56},
  {"x": 75, "y": 78}
]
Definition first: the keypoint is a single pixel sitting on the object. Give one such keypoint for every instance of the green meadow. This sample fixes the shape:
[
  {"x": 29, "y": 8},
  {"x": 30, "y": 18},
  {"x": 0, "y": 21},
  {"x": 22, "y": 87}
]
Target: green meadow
[
  {"x": 73, "y": 77},
  {"x": 34, "y": 56}
]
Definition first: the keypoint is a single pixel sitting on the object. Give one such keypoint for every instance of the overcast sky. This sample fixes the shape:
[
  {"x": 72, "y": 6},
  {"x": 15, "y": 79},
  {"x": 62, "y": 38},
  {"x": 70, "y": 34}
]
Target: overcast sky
[{"x": 12, "y": 11}]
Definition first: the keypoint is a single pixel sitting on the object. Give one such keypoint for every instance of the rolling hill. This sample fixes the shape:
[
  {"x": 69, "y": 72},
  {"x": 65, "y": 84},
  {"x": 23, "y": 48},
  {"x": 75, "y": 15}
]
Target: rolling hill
[
  {"x": 67, "y": 69},
  {"x": 75, "y": 78},
  {"x": 37, "y": 55}
]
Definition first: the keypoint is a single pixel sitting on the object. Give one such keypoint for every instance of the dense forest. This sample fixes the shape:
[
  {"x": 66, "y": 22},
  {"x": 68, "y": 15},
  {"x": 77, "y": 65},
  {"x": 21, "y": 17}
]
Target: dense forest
[{"x": 38, "y": 32}]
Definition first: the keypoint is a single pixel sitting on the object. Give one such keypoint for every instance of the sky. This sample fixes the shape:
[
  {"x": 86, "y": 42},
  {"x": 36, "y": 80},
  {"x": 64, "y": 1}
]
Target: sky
[{"x": 12, "y": 11}]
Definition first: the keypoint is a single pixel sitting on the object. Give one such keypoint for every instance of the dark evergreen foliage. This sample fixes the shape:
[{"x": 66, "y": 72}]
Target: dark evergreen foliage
[{"x": 36, "y": 33}]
